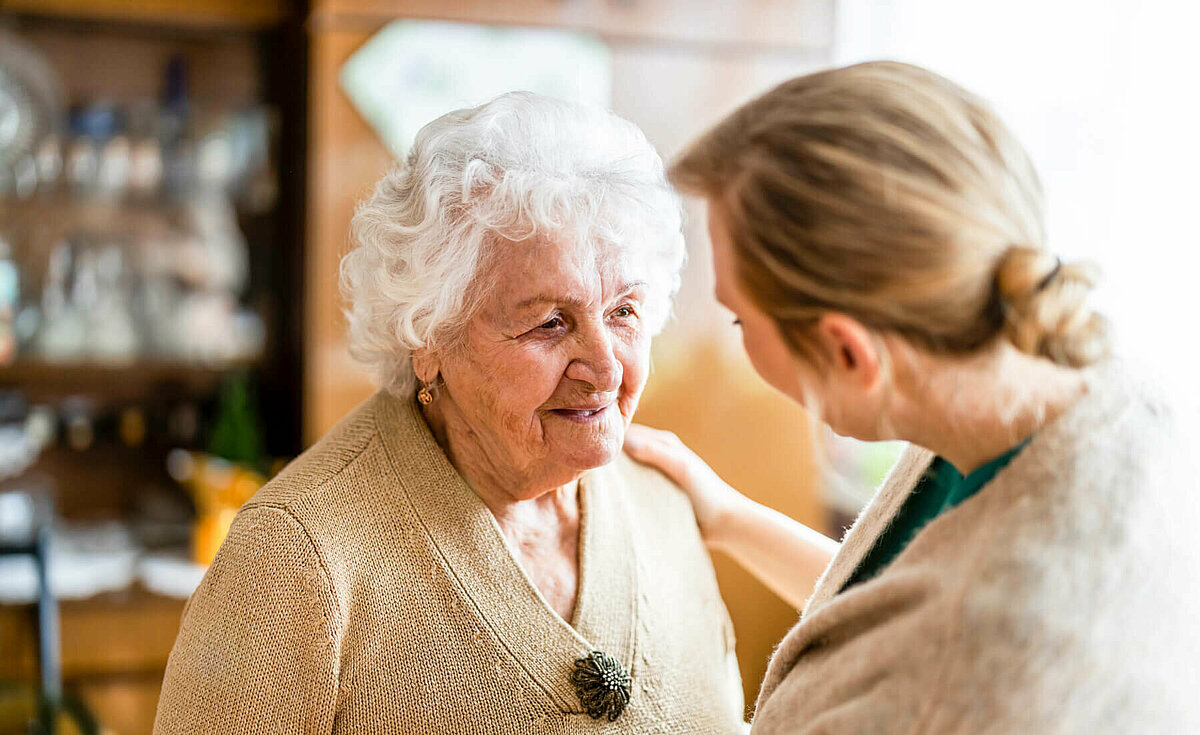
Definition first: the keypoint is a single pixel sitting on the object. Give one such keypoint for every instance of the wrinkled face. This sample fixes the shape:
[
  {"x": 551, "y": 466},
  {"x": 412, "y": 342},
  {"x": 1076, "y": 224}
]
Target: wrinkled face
[{"x": 551, "y": 368}]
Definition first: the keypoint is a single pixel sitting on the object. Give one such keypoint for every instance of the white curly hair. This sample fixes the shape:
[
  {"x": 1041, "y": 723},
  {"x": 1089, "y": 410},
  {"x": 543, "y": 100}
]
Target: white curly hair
[{"x": 519, "y": 167}]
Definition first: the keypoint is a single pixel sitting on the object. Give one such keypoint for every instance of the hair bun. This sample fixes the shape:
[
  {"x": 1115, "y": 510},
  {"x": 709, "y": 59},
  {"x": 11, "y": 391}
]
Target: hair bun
[{"x": 1046, "y": 307}]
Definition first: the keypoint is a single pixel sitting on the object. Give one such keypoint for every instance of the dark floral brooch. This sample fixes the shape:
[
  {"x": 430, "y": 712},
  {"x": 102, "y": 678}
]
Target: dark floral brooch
[{"x": 602, "y": 685}]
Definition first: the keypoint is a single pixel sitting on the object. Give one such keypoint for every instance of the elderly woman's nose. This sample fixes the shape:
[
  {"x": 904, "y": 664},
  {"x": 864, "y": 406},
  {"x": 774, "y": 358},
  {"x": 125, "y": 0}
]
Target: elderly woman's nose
[{"x": 597, "y": 363}]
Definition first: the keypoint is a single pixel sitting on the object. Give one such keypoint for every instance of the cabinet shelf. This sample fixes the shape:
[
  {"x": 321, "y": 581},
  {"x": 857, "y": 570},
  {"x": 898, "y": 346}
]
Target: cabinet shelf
[
  {"x": 42, "y": 380},
  {"x": 248, "y": 15}
]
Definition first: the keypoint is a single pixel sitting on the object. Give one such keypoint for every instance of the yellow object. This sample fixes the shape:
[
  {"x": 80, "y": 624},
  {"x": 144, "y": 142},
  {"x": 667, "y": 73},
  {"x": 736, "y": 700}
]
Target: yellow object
[
  {"x": 209, "y": 533},
  {"x": 219, "y": 488},
  {"x": 133, "y": 427}
]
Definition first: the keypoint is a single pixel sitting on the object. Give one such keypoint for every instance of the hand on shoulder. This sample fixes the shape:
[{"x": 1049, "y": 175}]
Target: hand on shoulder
[{"x": 713, "y": 500}]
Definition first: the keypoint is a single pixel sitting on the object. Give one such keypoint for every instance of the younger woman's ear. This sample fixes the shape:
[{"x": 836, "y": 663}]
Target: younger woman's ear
[{"x": 850, "y": 349}]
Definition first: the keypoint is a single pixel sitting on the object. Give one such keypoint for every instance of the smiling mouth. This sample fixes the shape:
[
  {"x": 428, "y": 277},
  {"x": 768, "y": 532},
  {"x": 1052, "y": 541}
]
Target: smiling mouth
[{"x": 581, "y": 415}]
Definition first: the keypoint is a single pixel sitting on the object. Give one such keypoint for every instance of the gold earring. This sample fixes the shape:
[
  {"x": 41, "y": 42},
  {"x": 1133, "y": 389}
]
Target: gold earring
[{"x": 424, "y": 396}]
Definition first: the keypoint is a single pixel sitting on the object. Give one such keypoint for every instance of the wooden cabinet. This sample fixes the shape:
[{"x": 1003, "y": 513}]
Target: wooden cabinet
[
  {"x": 114, "y": 651},
  {"x": 239, "y": 54}
]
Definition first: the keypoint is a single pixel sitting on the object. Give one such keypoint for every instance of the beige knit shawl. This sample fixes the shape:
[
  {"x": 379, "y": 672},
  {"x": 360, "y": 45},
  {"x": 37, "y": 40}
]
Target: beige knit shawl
[{"x": 1063, "y": 598}]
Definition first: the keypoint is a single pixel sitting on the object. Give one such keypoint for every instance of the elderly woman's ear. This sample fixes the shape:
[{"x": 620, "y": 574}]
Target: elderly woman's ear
[{"x": 426, "y": 365}]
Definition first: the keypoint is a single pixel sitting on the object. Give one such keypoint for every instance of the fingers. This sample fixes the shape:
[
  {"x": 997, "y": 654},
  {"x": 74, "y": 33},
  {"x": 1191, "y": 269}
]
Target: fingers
[
  {"x": 659, "y": 449},
  {"x": 641, "y": 443},
  {"x": 637, "y": 436},
  {"x": 641, "y": 434},
  {"x": 644, "y": 441}
]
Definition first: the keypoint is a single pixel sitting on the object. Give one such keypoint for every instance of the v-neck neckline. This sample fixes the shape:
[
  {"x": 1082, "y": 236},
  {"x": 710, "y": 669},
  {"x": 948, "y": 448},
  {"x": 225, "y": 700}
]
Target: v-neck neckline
[
  {"x": 938, "y": 491},
  {"x": 489, "y": 575},
  {"x": 586, "y": 534}
]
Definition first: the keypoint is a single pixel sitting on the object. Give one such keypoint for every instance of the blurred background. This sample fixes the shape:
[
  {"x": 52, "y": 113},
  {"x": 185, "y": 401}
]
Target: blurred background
[{"x": 177, "y": 178}]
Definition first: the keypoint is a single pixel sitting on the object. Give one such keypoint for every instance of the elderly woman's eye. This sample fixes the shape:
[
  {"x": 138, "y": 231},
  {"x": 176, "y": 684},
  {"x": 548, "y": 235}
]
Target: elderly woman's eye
[
  {"x": 552, "y": 323},
  {"x": 624, "y": 312}
]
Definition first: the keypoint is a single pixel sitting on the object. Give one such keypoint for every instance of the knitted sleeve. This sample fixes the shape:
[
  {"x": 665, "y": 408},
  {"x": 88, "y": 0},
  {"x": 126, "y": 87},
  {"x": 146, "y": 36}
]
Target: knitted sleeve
[{"x": 257, "y": 651}]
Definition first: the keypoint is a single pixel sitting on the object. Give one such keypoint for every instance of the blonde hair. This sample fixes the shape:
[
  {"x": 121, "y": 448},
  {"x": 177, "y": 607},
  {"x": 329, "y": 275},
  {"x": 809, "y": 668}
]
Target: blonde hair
[{"x": 886, "y": 192}]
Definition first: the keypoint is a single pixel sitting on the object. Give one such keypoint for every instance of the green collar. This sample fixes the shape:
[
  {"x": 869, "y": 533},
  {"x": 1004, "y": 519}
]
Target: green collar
[
  {"x": 940, "y": 489},
  {"x": 957, "y": 487}
]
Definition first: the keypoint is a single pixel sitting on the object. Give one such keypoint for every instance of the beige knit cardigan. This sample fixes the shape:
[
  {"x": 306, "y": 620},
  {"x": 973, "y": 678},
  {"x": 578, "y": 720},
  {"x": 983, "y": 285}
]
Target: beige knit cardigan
[
  {"x": 367, "y": 589},
  {"x": 1061, "y": 599}
]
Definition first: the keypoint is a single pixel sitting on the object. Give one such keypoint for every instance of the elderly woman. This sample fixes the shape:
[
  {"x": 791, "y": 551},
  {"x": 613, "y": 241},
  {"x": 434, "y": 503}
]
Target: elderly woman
[
  {"x": 1030, "y": 566},
  {"x": 469, "y": 551}
]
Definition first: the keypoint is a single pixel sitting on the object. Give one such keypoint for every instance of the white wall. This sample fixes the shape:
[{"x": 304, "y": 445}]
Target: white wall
[{"x": 1105, "y": 96}]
